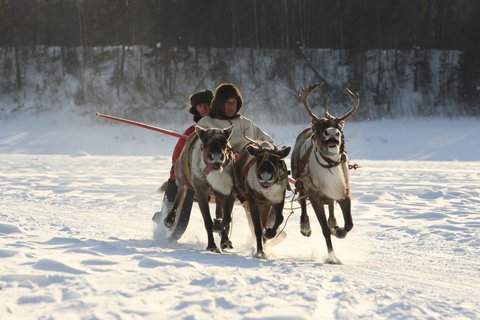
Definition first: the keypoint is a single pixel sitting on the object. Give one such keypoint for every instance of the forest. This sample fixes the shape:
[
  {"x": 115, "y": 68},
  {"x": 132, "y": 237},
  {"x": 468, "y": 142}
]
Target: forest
[
  {"x": 337, "y": 24},
  {"x": 387, "y": 32}
]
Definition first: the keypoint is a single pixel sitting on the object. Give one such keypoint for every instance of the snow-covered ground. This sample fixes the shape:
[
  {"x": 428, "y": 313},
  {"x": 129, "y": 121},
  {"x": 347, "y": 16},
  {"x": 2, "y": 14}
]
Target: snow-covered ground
[
  {"x": 77, "y": 240},
  {"x": 403, "y": 139}
]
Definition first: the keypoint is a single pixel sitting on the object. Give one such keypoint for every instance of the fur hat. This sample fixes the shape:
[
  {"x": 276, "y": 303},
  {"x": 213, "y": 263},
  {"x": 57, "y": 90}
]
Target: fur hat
[
  {"x": 204, "y": 96},
  {"x": 222, "y": 93}
]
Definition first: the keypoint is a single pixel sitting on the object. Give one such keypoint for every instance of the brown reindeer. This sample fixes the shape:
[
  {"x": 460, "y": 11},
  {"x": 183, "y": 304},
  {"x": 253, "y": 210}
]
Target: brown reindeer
[
  {"x": 262, "y": 179},
  {"x": 320, "y": 166},
  {"x": 206, "y": 166}
]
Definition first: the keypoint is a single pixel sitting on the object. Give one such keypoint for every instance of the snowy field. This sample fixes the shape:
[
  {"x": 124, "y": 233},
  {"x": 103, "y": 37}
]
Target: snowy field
[{"x": 77, "y": 240}]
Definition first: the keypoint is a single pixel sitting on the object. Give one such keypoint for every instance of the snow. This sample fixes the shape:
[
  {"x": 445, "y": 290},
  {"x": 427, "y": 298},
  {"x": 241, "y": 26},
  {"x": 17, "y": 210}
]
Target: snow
[
  {"x": 77, "y": 240},
  {"x": 439, "y": 139}
]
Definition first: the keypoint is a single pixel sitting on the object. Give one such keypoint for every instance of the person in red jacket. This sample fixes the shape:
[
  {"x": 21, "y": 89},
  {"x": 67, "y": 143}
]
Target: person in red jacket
[{"x": 199, "y": 106}]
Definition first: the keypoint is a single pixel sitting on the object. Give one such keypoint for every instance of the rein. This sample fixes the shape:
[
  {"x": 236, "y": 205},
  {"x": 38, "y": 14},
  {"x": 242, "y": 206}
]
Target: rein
[
  {"x": 188, "y": 171},
  {"x": 291, "y": 212},
  {"x": 330, "y": 163}
]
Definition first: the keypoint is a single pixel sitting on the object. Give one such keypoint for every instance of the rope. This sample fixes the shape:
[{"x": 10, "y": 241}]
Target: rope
[
  {"x": 284, "y": 225},
  {"x": 291, "y": 212},
  {"x": 294, "y": 193},
  {"x": 355, "y": 166},
  {"x": 231, "y": 230}
]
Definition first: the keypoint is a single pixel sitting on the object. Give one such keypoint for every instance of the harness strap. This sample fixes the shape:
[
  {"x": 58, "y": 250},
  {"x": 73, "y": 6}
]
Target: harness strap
[
  {"x": 330, "y": 163},
  {"x": 243, "y": 188},
  {"x": 230, "y": 157},
  {"x": 301, "y": 167},
  {"x": 188, "y": 170},
  {"x": 304, "y": 159},
  {"x": 247, "y": 167}
]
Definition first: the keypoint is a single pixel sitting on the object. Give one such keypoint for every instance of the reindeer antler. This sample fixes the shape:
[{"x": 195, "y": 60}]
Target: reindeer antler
[
  {"x": 303, "y": 97},
  {"x": 355, "y": 97},
  {"x": 325, "y": 106}
]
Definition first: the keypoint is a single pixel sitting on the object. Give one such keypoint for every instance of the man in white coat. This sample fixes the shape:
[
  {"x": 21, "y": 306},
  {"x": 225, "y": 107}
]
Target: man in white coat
[{"x": 226, "y": 104}]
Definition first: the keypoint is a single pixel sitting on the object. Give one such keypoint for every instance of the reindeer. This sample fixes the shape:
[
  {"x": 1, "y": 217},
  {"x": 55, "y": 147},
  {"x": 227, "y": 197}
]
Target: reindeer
[
  {"x": 320, "y": 166},
  {"x": 206, "y": 166},
  {"x": 262, "y": 180}
]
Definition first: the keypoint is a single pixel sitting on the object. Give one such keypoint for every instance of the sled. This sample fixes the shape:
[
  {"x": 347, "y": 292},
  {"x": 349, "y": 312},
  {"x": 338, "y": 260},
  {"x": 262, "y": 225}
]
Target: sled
[{"x": 182, "y": 217}]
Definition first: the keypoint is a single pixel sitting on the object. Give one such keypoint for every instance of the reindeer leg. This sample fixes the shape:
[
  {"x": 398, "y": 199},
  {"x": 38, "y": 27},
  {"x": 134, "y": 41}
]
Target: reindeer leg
[
  {"x": 320, "y": 212},
  {"x": 217, "y": 222},
  {"x": 257, "y": 225},
  {"x": 218, "y": 226},
  {"x": 202, "y": 199},
  {"x": 345, "y": 205},
  {"x": 223, "y": 212},
  {"x": 278, "y": 211},
  {"x": 225, "y": 243},
  {"x": 305, "y": 229},
  {"x": 332, "y": 222}
]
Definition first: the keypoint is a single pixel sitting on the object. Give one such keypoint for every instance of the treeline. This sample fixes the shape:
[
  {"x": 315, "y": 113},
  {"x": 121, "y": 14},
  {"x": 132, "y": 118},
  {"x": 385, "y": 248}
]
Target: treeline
[
  {"x": 338, "y": 24},
  {"x": 152, "y": 85},
  {"x": 169, "y": 31}
]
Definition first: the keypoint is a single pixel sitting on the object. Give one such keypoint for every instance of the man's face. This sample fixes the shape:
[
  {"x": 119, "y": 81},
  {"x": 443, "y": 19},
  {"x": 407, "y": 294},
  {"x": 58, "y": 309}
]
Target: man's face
[
  {"x": 203, "y": 108},
  {"x": 231, "y": 107}
]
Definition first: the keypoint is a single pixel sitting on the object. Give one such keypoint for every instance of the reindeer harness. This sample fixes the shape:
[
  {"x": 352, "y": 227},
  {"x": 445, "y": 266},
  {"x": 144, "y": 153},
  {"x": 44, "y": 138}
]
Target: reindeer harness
[
  {"x": 241, "y": 181},
  {"x": 188, "y": 170}
]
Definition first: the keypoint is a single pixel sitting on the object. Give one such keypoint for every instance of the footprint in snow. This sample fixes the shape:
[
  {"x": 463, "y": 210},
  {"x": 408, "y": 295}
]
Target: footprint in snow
[
  {"x": 9, "y": 229},
  {"x": 52, "y": 265}
]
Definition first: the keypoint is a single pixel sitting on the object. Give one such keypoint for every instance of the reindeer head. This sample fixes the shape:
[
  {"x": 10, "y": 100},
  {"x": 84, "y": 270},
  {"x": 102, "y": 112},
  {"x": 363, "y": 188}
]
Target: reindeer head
[
  {"x": 215, "y": 147},
  {"x": 328, "y": 130},
  {"x": 270, "y": 166}
]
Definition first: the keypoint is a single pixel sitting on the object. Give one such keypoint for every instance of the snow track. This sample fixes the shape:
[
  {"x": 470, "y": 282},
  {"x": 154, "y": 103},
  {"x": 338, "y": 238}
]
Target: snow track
[{"x": 77, "y": 241}]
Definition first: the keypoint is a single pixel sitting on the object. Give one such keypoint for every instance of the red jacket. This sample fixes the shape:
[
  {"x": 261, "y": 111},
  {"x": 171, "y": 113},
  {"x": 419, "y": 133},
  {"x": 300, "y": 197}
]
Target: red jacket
[{"x": 179, "y": 147}]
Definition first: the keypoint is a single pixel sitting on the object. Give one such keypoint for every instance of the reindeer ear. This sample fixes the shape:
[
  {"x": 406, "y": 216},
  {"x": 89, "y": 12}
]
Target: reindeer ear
[
  {"x": 228, "y": 132},
  {"x": 282, "y": 153},
  {"x": 200, "y": 131},
  {"x": 252, "y": 149}
]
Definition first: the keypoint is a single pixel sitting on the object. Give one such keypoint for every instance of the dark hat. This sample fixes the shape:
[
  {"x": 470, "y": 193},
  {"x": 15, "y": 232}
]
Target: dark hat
[
  {"x": 204, "y": 96},
  {"x": 222, "y": 93}
]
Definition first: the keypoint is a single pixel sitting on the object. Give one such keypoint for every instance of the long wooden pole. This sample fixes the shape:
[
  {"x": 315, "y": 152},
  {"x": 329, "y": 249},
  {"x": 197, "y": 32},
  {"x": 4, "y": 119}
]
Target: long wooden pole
[
  {"x": 143, "y": 125},
  {"x": 147, "y": 126}
]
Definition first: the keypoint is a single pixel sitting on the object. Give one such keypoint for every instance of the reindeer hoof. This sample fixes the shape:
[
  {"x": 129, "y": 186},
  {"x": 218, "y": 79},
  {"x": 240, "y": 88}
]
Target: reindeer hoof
[
  {"x": 332, "y": 223},
  {"x": 260, "y": 255},
  {"x": 213, "y": 249},
  {"x": 305, "y": 229},
  {"x": 332, "y": 259},
  {"x": 217, "y": 225},
  {"x": 270, "y": 233},
  {"x": 306, "y": 232},
  {"x": 226, "y": 245},
  {"x": 339, "y": 232}
]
